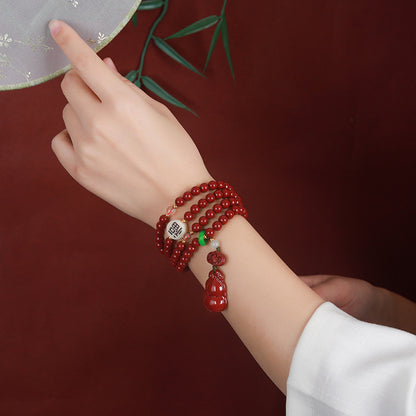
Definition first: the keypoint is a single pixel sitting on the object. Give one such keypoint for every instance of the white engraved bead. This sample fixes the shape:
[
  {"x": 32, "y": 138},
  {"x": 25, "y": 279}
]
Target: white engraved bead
[
  {"x": 170, "y": 211},
  {"x": 176, "y": 229},
  {"x": 215, "y": 244}
]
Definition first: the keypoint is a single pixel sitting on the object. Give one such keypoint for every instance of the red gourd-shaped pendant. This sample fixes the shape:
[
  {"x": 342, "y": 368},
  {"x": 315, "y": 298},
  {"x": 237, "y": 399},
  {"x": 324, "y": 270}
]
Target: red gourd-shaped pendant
[{"x": 215, "y": 296}]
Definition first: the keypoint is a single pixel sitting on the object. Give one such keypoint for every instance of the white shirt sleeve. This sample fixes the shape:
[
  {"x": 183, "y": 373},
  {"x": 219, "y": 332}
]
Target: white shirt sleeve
[{"x": 344, "y": 366}]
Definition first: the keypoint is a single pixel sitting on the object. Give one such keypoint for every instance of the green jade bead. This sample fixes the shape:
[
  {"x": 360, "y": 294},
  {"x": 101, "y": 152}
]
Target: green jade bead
[{"x": 201, "y": 238}]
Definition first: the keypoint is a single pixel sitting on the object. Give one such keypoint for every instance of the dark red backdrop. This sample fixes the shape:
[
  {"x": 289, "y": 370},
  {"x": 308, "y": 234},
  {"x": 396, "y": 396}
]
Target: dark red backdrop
[{"x": 318, "y": 129}]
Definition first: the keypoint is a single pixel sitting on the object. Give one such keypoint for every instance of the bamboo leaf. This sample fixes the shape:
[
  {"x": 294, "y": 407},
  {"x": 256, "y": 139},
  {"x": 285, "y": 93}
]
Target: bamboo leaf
[
  {"x": 213, "y": 42},
  {"x": 131, "y": 76},
  {"x": 150, "y": 4},
  {"x": 202, "y": 24},
  {"x": 160, "y": 92},
  {"x": 226, "y": 43},
  {"x": 168, "y": 50},
  {"x": 134, "y": 19}
]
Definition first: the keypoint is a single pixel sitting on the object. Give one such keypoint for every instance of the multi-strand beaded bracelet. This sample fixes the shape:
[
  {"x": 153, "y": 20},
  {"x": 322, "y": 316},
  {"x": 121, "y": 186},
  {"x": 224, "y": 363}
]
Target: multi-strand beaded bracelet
[{"x": 179, "y": 246}]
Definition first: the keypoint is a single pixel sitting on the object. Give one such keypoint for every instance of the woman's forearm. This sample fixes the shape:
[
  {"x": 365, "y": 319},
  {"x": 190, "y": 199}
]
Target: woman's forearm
[{"x": 268, "y": 304}]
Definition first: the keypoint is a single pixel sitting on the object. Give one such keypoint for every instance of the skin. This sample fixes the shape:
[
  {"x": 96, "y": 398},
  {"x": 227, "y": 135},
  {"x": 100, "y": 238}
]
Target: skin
[{"x": 125, "y": 150}]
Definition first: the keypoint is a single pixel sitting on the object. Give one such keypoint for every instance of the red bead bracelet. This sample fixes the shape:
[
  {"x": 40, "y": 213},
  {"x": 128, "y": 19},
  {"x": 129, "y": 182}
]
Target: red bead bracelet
[{"x": 215, "y": 294}]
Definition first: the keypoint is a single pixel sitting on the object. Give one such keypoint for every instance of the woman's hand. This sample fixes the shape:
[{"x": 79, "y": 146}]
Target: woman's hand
[
  {"x": 119, "y": 143},
  {"x": 358, "y": 298}
]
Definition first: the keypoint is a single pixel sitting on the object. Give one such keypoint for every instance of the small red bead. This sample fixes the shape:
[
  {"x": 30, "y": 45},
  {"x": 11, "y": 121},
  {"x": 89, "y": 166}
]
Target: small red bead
[
  {"x": 180, "y": 246},
  {"x": 191, "y": 248},
  {"x": 218, "y": 194},
  {"x": 217, "y": 208},
  {"x": 209, "y": 232},
  {"x": 195, "y": 242},
  {"x": 203, "y": 220},
  {"x": 195, "y": 190},
  {"x": 159, "y": 244},
  {"x": 202, "y": 203},
  {"x": 188, "y": 216},
  {"x": 196, "y": 227},
  {"x": 217, "y": 226},
  {"x": 223, "y": 219},
  {"x": 210, "y": 214},
  {"x": 204, "y": 187},
  {"x": 210, "y": 198},
  {"x": 235, "y": 208},
  {"x": 159, "y": 232},
  {"x": 178, "y": 268},
  {"x": 233, "y": 201},
  {"x": 163, "y": 219},
  {"x": 212, "y": 185},
  {"x": 160, "y": 226},
  {"x": 187, "y": 196},
  {"x": 225, "y": 203},
  {"x": 225, "y": 193},
  {"x": 228, "y": 186},
  {"x": 159, "y": 238},
  {"x": 195, "y": 209},
  {"x": 229, "y": 213},
  {"x": 176, "y": 251},
  {"x": 220, "y": 184},
  {"x": 179, "y": 201}
]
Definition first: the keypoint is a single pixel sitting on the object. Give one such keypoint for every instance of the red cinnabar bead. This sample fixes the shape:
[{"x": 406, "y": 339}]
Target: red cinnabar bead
[
  {"x": 187, "y": 196},
  {"x": 212, "y": 185},
  {"x": 210, "y": 214},
  {"x": 204, "y": 187},
  {"x": 229, "y": 213},
  {"x": 225, "y": 203},
  {"x": 225, "y": 193},
  {"x": 210, "y": 198},
  {"x": 217, "y": 226},
  {"x": 163, "y": 219},
  {"x": 196, "y": 227},
  {"x": 179, "y": 201},
  {"x": 195, "y": 209},
  {"x": 188, "y": 216},
  {"x": 223, "y": 219},
  {"x": 217, "y": 208},
  {"x": 220, "y": 184},
  {"x": 209, "y": 232},
  {"x": 195, "y": 190},
  {"x": 218, "y": 194},
  {"x": 195, "y": 242},
  {"x": 202, "y": 203},
  {"x": 203, "y": 220}
]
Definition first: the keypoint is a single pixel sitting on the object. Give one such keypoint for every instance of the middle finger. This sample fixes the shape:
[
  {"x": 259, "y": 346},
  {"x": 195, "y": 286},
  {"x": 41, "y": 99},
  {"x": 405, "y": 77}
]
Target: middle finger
[{"x": 81, "y": 98}]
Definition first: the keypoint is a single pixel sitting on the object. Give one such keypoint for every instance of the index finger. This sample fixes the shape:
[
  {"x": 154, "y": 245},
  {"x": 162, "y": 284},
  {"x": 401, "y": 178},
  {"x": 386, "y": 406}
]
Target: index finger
[{"x": 94, "y": 72}]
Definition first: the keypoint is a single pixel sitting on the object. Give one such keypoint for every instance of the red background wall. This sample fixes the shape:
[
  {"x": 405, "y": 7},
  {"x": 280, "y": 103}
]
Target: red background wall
[{"x": 318, "y": 137}]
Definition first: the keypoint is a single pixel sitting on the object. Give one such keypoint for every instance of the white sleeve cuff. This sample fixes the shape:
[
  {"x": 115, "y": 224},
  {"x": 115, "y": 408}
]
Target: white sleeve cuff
[{"x": 344, "y": 366}]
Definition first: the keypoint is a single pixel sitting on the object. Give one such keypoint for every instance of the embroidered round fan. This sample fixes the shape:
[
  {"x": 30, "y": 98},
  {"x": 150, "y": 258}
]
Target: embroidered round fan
[{"x": 29, "y": 55}]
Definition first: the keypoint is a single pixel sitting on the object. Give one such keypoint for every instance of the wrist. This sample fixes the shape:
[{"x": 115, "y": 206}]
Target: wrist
[{"x": 168, "y": 197}]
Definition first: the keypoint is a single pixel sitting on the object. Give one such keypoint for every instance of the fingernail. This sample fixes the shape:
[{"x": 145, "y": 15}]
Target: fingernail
[{"x": 54, "y": 27}]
